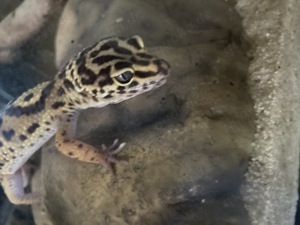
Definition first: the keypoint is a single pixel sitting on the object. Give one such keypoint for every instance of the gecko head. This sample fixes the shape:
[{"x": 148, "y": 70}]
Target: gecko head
[{"x": 116, "y": 69}]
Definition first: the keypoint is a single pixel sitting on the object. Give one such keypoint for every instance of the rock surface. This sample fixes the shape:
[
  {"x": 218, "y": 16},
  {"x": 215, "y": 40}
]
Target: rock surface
[
  {"x": 188, "y": 143},
  {"x": 272, "y": 178}
]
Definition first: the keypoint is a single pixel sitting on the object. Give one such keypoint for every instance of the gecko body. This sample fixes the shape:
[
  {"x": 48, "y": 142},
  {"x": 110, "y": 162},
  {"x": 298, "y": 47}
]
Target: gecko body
[{"x": 108, "y": 72}]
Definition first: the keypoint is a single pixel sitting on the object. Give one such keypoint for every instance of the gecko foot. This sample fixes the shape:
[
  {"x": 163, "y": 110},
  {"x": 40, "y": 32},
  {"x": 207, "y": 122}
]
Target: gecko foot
[
  {"x": 27, "y": 199},
  {"x": 13, "y": 187},
  {"x": 110, "y": 153}
]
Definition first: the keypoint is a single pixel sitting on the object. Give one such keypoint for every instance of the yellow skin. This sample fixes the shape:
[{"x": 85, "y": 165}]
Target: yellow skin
[{"x": 108, "y": 72}]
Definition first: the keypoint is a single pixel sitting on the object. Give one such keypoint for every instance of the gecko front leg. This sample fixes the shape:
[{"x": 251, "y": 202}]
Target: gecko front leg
[
  {"x": 13, "y": 186},
  {"x": 73, "y": 148}
]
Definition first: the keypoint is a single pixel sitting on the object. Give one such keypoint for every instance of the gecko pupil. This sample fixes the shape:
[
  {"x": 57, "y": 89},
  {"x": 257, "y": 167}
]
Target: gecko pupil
[{"x": 125, "y": 77}]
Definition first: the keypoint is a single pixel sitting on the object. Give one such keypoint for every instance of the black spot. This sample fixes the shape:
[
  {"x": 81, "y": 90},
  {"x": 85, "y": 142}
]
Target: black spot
[
  {"x": 144, "y": 55},
  {"x": 11, "y": 149},
  {"x": 80, "y": 59},
  {"x": 1, "y": 164},
  {"x": 94, "y": 92},
  {"x": 105, "y": 58},
  {"x": 83, "y": 94},
  {"x": 122, "y": 65},
  {"x": 33, "y": 108},
  {"x": 22, "y": 137},
  {"x": 61, "y": 91},
  {"x": 108, "y": 45},
  {"x": 47, "y": 129},
  {"x": 108, "y": 96},
  {"x": 133, "y": 42},
  {"x": 77, "y": 83},
  {"x": 80, "y": 145},
  {"x": 92, "y": 159},
  {"x": 72, "y": 73},
  {"x": 69, "y": 66},
  {"x": 143, "y": 74},
  {"x": 102, "y": 91},
  {"x": 28, "y": 97},
  {"x": 105, "y": 71},
  {"x": 124, "y": 51},
  {"x": 90, "y": 80},
  {"x": 1, "y": 144},
  {"x": 16, "y": 111},
  {"x": 107, "y": 81},
  {"x": 94, "y": 53},
  {"x": 8, "y": 134},
  {"x": 70, "y": 153},
  {"x": 47, "y": 122},
  {"x": 62, "y": 74},
  {"x": 32, "y": 128},
  {"x": 95, "y": 99},
  {"x": 68, "y": 84},
  {"x": 133, "y": 91},
  {"x": 111, "y": 91},
  {"x": 63, "y": 133},
  {"x": 140, "y": 62},
  {"x": 83, "y": 70},
  {"x": 57, "y": 105},
  {"x": 86, "y": 50},
  {"x": 121, "y": 90},
  {"x": 133, "y": 84}
]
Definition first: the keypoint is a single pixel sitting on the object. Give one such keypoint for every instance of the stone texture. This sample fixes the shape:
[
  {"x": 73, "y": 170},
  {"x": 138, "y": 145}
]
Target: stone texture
[
  {"x": 188, "y": 143},
  {"x": 271, "y": 190}
]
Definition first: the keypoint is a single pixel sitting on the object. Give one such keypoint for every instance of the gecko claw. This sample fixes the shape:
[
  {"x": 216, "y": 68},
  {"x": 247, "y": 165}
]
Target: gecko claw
[
  {"x": 110, "y": 153},
  {"x": 114, "y": 148}
]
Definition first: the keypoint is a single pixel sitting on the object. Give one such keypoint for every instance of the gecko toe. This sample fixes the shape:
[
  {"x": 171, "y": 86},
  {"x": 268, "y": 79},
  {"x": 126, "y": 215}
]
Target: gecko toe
[{"x": 114, "y": 149}]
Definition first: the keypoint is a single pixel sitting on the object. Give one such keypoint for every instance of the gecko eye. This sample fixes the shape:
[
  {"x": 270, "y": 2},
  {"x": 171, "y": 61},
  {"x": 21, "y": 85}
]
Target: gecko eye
[{"x": 125, "y": 77}]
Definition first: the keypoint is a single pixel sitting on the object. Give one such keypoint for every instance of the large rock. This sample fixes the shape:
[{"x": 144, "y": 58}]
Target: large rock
[
  {"x": 189, "y": 142},
  {"x": 272, "y": 178}
]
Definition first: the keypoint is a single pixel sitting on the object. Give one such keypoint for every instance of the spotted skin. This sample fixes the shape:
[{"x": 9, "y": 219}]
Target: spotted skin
[{"x": 108, "y": 72}]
